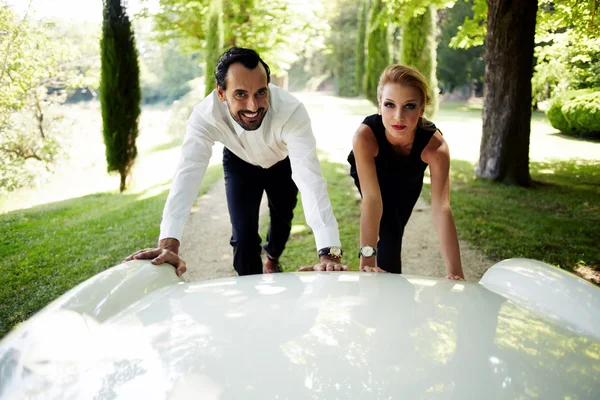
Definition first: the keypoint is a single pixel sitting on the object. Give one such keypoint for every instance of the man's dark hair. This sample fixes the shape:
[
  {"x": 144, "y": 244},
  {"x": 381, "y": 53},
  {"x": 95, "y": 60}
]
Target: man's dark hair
[{"x": 248, "y": 57}]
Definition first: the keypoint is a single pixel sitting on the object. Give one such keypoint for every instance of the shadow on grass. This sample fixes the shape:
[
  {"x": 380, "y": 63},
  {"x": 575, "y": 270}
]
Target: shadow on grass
[
  {"x": 575, "y": 138},
  {"x": 48, "y": 249},
  {"x": 556, "y": 221},
  {"x": 460, "y": 110}
]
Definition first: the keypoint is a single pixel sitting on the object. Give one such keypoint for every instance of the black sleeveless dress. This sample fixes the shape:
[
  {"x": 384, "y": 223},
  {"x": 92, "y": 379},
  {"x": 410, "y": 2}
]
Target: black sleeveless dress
[{"x": 400, "y": 181}]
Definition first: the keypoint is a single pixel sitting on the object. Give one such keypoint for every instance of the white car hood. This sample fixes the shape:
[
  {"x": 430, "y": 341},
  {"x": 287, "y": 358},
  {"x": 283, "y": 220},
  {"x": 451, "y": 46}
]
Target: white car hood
[{"x": 303, "y": 336}]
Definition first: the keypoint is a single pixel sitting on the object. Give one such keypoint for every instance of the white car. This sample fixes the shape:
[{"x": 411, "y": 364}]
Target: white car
[{"x": 137, "y": 331}]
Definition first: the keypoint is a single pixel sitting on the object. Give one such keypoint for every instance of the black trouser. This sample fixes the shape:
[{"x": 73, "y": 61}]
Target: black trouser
[
  {"x": 391, "y": 230},
  {"x": 244, "y": 185}
]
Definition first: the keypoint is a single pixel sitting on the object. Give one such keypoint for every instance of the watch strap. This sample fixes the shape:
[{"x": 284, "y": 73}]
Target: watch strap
[
  {"x": 361, "y": 249},
  {"x": 326, "y": 251}
]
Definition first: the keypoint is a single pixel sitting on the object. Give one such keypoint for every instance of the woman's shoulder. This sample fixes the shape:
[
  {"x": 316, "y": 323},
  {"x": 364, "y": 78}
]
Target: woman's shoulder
[
  {"x": 373, "y": 121},
  {"x": 428, "y": 126}
]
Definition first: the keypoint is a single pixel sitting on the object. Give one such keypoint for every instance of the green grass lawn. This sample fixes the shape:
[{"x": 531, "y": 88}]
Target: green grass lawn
[
  {"x": 557, "y": 221},
  {"x": 47, "y": 250}
]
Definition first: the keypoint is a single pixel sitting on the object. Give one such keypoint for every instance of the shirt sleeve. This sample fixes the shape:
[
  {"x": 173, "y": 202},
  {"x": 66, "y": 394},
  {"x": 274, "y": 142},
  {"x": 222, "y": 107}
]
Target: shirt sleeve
[
  {"x": 195, "y": 156},
  {"x": 306, "y": 172}
]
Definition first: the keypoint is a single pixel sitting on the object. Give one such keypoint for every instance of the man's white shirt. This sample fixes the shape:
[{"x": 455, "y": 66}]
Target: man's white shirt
[{"x": 285, "y": 131}]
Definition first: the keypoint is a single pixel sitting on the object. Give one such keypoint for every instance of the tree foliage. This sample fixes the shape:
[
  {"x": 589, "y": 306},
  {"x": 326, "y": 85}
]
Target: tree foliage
[
  {"x": 361, "y": 35},
  {"x": 39, "y": 63},
  {"x": 567, "y": 42},
  {"x": 165, "y": 73},
  {"x": 120, "y": 93},
  {"x": 458, "y": 67},
  {"x": 385, "y": 16},
  {"x": 565, "y": 61},
  {"x": 279, "y": 30},
  {"x": 341, "y": 45},
  {"x": 214, "y": 43}
]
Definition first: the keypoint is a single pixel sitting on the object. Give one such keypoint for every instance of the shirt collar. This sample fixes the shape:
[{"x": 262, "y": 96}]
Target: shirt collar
[{"x": 236, "y": 127}]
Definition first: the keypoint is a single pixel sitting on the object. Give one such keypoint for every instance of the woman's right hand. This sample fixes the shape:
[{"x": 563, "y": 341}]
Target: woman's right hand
[{"x": 367, "y": 268}]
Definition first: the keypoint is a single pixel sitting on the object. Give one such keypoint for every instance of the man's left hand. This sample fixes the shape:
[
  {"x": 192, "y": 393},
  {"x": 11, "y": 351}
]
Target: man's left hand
[
  {"x": 160, "y": 256},
  {"x": 326, "y": 264}
]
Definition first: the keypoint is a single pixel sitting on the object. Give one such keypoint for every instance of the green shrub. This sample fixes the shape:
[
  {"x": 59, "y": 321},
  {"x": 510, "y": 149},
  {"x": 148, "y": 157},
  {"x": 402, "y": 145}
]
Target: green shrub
[
  {"x": 576, "y": 113},
  {"x": 583, "y": 114},
  {"x": 556, "y": 117}
]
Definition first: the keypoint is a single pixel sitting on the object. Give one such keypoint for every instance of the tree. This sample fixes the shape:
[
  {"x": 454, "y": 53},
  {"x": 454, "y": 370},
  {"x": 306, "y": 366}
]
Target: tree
[
  {"x": 341, "y": 45},
  {"x": 359, "y": 77},
  {"x": 419, "y": 50},
  {"x": 214, "y": 43},
  {"x": 120, "y": 93},
  {"x": 504, "y": 151},
  {"x": 378, "y": 54},
  {"x": 165, "y": 73},
  {"x": 417, "y": 19},
  {"x": 37, "y": 68},
  {"x": 567, "y": 34},
  {"x": 511, "y": 27},
  {"x": 457, "y": 67},
  {"x": 279, "y": 30}
]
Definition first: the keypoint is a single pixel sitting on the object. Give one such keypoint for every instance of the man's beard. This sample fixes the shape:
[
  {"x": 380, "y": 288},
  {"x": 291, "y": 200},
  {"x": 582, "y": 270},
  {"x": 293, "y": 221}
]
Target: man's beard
[{"x": 254, "y": 122}]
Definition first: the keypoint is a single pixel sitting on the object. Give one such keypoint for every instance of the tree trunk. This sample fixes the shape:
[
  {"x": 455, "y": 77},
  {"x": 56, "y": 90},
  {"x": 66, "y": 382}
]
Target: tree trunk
[
  {"x": 504, "y": 152},
  {"x": 123, "y": 185}
]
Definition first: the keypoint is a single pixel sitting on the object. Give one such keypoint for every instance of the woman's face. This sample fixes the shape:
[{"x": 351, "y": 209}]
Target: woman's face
[{"x": 400, "y": 108}]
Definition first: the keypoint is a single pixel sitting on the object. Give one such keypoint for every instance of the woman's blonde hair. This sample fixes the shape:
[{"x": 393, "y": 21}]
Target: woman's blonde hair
[{"x": 405, "y": 76}]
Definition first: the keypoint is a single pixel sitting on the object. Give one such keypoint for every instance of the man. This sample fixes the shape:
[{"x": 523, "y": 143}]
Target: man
[{"x": 269, "y": 147}]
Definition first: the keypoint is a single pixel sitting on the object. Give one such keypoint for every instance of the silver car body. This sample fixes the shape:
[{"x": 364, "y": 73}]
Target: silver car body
[{"x": 526, "y": 330}]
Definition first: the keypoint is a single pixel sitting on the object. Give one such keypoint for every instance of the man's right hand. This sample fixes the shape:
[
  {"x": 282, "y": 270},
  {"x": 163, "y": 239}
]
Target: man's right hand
[{"x": 166, "y": 253}]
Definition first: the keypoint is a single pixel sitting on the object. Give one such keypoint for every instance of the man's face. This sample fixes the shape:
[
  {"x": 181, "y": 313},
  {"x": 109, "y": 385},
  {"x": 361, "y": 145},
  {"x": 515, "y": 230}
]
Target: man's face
[{"x": 247, "y": 95}]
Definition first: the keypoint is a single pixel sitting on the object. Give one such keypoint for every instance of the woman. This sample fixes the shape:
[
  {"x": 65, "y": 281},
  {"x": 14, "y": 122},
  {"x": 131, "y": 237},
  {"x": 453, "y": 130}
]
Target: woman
[{"x": 391, "y": 151}]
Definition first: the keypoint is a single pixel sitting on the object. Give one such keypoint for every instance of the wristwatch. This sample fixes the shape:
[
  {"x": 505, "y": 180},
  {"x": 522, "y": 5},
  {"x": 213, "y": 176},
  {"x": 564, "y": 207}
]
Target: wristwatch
[
  {"x": 331, "y": 251},
  {"x": 367, "y": 251}
]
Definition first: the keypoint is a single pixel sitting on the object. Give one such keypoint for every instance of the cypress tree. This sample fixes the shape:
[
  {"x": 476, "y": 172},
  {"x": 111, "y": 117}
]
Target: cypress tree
[
  {"x": 214, "y": 43},
  {"x": 419, "y": 50},
  {"x": 378, "y": 54},
  {"x": 119, "y": 89},
  {"x": 359, "y": 76}
]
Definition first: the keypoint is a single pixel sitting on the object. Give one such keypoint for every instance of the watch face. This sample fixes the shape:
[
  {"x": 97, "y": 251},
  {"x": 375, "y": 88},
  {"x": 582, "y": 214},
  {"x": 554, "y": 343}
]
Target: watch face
[
  {"x": 335, "y": 251},
  {"x": 367, "y": 251}
]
